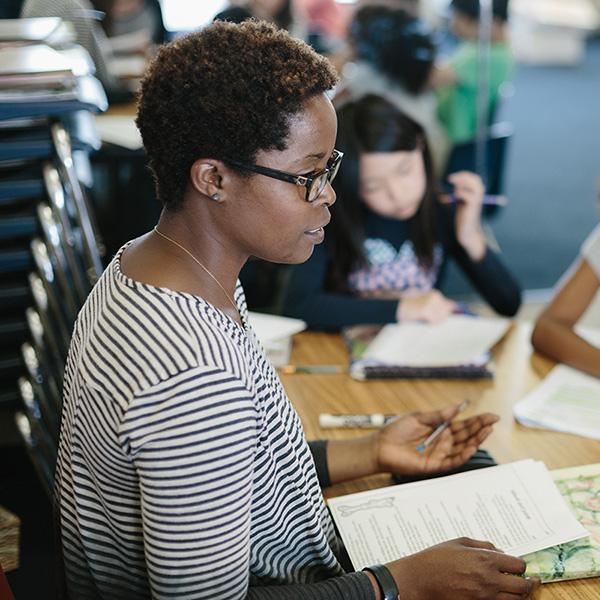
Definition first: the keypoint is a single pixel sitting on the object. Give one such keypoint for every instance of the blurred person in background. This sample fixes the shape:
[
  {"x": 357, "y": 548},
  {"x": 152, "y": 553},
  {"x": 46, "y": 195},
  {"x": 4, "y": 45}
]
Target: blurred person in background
[
  {"x": 457, "y": 81},
  {"x": 393, "y": 56},
  {"x": 132, "y": 26},
  {"x": 282, "y": 13}
]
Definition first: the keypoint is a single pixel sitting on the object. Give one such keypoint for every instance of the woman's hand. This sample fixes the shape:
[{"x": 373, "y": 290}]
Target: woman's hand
[
  {"x": 395, "y": 445},
  {"x": 469, "y": 191},
  {"x": 393, "y": 449},
  {"x": 462, "y": 569},
  {"x": 430, "y": 307}
]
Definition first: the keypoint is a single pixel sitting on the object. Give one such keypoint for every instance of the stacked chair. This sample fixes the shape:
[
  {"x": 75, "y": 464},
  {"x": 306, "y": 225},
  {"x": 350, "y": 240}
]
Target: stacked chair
[{"x": 50, "y": 249}]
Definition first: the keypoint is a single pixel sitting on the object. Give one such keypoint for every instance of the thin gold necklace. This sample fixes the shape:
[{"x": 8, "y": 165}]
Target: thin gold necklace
[{"x": 195, "y": 259}]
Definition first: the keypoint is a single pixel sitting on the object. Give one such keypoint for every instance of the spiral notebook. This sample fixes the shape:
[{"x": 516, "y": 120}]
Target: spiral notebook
[{"x": 458, "y": 348}]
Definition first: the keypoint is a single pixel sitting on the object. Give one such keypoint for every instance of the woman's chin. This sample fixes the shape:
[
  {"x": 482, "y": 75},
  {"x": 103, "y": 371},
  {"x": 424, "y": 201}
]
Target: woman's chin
[{"x": 295, "y": 256}]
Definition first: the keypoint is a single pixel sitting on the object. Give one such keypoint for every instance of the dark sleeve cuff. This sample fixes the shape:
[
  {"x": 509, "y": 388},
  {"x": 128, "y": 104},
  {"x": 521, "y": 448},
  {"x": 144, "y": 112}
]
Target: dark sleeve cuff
[
  {"x": 353, "y": 586},
  {"x": 319, "y": 452}
]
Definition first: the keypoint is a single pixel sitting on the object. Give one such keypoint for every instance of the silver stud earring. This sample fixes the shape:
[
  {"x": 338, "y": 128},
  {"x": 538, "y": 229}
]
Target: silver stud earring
[{"x": 215, "y": 197}]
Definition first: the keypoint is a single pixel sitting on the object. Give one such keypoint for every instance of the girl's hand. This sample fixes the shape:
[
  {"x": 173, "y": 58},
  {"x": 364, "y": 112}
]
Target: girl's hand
[
  {"x": 395, "y": 445},
  {"x": 471, "y": 569},
  {"x": 469, "y": 191},
  {"x": 431, "y": 307}
]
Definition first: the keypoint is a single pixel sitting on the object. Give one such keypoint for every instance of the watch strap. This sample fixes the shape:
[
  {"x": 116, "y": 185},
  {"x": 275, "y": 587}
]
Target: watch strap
[{"x": 386, "y": 582}]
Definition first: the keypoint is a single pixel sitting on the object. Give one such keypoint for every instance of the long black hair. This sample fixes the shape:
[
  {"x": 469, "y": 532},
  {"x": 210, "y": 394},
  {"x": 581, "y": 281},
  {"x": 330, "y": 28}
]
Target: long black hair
[{"x": 372, "y": 124}]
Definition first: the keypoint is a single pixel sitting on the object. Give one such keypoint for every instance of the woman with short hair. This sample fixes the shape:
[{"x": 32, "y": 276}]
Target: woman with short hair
[{"x": 183, "y": 468}]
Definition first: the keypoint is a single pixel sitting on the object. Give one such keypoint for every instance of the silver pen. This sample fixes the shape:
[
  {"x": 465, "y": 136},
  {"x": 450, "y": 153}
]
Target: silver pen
[{"x": 438, "y": 430}]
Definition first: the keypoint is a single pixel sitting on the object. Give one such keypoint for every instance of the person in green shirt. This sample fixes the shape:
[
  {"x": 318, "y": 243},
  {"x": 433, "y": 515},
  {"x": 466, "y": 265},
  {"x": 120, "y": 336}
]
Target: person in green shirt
[{"x": 457, "y": 81}]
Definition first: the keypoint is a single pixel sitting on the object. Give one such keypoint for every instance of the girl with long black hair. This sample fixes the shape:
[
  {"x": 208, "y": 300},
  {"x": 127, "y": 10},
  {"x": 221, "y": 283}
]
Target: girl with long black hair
[{"x": 391, "y": 234}]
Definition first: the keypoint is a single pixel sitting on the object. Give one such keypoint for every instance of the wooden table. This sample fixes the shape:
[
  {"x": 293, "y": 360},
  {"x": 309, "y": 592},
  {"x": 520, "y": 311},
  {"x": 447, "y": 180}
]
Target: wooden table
[{"x": 518, "y": 371}]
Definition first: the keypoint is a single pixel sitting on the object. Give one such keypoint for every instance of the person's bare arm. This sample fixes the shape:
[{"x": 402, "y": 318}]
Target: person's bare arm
[
  {"x": 441, "y": 76},
  {"x": 554, "y": 333}
]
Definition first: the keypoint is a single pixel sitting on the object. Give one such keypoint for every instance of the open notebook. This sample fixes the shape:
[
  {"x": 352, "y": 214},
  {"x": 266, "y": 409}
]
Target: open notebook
[
  {"x": 566, "y": 400},
  {"x": 457, "y": 348}
]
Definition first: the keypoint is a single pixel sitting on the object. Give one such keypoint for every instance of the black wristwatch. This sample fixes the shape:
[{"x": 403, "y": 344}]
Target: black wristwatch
[{"x": 386, "y": 582}]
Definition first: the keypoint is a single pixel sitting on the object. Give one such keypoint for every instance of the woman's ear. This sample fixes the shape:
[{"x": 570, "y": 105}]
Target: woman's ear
[{"x": 206, "y": 178}]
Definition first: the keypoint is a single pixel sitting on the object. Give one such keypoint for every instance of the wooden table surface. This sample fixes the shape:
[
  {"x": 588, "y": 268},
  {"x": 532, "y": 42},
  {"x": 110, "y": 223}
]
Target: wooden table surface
[{"x": 518, "y": 370}]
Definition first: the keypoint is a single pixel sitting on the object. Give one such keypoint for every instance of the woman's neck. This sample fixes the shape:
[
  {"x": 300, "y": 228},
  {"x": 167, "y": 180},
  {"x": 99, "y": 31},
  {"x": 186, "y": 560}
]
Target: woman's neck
[{"x": 200, "y": 245}]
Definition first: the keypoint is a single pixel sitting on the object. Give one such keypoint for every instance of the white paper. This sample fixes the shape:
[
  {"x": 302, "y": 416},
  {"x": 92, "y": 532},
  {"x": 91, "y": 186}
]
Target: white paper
[
  {"x": 273, "y": 327},
  {"x": 119, "y": 130},
  {"x": 459, "y": 340},
  {"x": 275, "y": 334},
  {"x": 516, "y": 506},
  {"x": 567, "y": 400}
]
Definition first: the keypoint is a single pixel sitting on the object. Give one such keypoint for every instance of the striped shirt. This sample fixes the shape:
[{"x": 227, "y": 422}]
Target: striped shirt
[{"x": 183, "y": 469}]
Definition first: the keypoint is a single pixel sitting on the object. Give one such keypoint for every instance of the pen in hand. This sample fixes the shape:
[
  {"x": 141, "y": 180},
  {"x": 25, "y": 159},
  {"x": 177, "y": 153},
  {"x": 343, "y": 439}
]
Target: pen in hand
[
  {"x": 439, "y": 429},
  {"x": 487, "y": 200}
]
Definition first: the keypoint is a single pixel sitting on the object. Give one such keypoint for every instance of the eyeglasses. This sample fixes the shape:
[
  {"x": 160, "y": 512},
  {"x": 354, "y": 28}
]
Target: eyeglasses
[{"x": 313, "y": 182}]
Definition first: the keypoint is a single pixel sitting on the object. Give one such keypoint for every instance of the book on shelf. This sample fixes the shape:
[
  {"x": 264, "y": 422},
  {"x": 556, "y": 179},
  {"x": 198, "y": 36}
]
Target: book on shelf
[{"x": 458, "y": 348}]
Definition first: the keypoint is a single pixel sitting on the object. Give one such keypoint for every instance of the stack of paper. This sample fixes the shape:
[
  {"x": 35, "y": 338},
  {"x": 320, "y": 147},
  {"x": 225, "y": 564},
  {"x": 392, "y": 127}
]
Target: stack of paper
[
  {"x": 516, "y": 506},
  {"x": 456, "y": 347},
  {"x": 567, "y": 400},
  {"x": 275, "y": 334},
  {"x": 50, "y": 30},
  {"x": 34, "y": 72}
]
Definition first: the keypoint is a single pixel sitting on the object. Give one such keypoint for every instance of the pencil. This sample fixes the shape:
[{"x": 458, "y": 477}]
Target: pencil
[
  {"x": 316, "y": 369},
  {"x": 487, "y": 200},
  {"x": 438, "y": 430}
]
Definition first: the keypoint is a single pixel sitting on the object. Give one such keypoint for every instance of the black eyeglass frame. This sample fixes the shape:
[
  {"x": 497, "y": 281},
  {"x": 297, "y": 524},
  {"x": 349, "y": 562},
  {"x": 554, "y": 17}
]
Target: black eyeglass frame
[{"x": 308, "y": 180}]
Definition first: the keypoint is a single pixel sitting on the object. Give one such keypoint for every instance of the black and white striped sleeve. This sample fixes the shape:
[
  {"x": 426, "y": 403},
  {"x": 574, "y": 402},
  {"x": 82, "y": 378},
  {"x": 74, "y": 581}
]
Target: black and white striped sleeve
[{"x": 192, "y": 439}]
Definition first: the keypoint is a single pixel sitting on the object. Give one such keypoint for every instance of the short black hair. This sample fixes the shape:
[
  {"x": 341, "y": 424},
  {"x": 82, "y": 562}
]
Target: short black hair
[
  {"x": 470, "y": 8},
  {"x": 395, "y": 42},
  {"x": 225, "y": 92}
]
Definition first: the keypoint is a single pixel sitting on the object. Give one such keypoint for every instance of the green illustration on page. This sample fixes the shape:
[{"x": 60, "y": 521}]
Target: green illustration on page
[{"x": 580, "y": 487}]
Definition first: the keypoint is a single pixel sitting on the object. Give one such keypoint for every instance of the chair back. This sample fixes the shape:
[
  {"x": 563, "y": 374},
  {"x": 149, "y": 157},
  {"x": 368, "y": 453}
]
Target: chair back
[
  {"x": 55, "y": 244},
  {"x": 53, "y": 289},
  {"x": 92, "y": 243},
  {"x": 33, "y": 445},
  {"x": 55, "y": 330},
  {"x": 45, "y": 389},
  {"x": 56, "y": 199}
]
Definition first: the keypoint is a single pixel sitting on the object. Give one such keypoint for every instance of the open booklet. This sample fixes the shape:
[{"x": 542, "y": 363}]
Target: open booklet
[
  {"x": 456, "y": 348},
  {"x": 515, "y": 506},
  {"x": 566, "y": 400}
]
